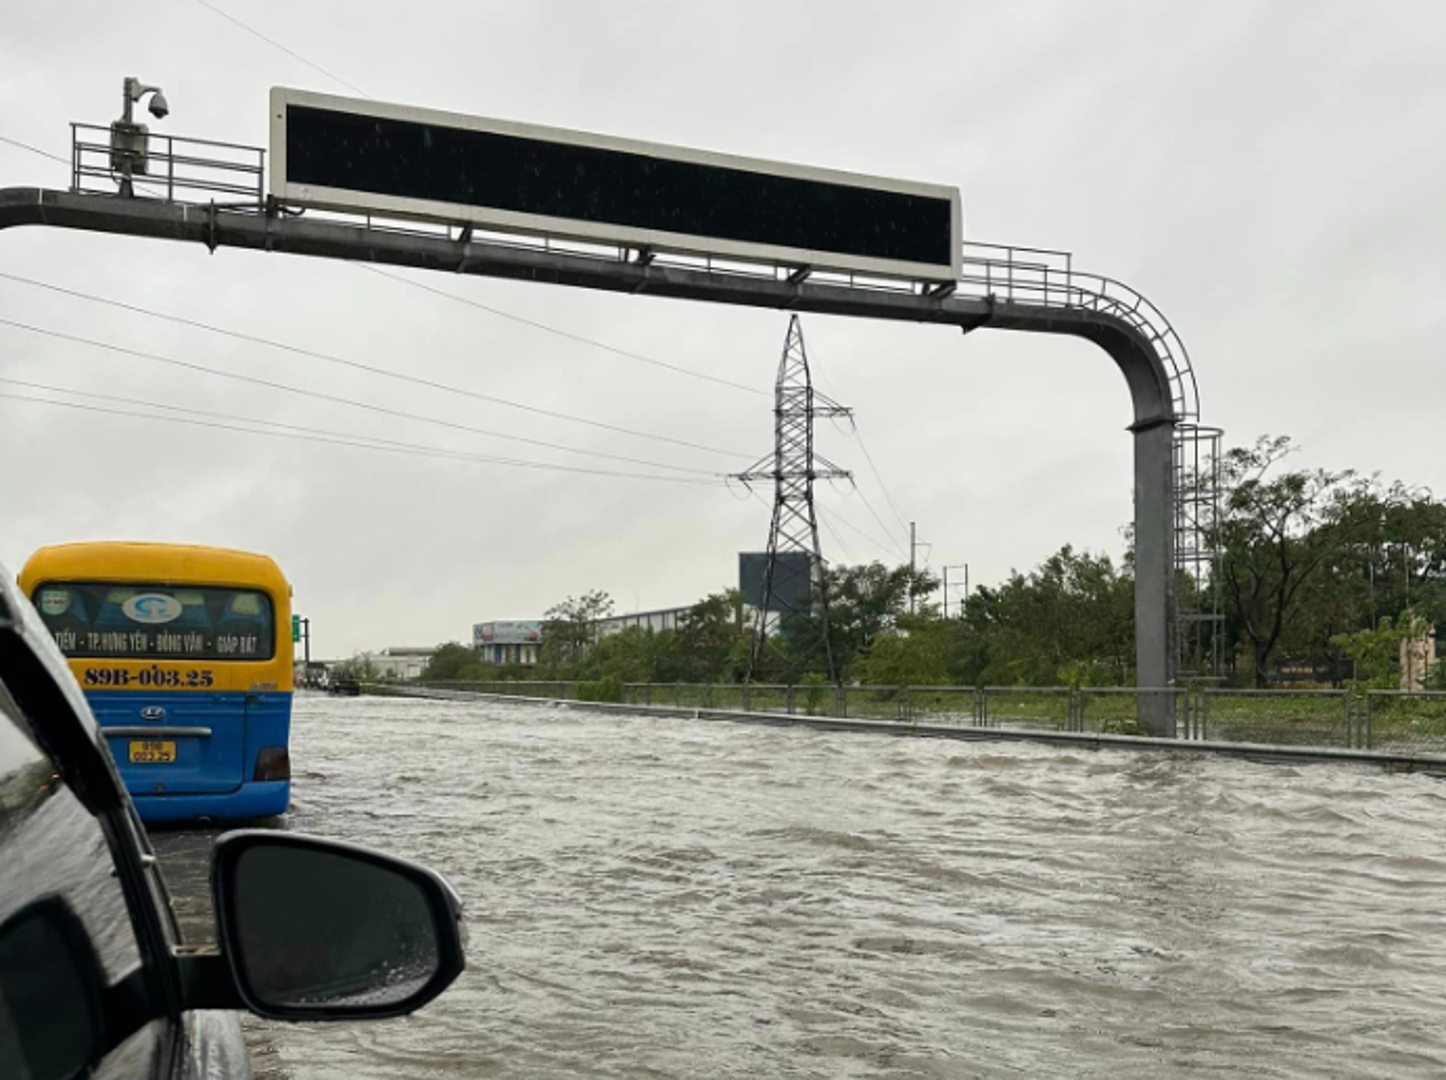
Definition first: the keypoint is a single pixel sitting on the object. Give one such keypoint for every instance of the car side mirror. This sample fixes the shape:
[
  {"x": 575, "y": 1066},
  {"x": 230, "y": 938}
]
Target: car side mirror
[{"x": 320, "y": 930}]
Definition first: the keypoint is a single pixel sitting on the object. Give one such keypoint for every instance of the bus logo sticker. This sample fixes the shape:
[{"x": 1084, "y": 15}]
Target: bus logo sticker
[
  {"x": 152, "y": 608},
  {"x": 54, "y": 602},
  {"x": 153, "y": 712}
]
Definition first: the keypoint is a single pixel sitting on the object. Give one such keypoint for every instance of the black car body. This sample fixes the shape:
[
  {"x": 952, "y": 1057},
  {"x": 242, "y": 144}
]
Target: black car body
[{"x": 94, "y": 979}]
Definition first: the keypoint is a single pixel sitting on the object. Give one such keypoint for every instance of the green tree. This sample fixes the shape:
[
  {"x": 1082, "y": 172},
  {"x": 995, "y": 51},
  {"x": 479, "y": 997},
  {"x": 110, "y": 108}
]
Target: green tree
[
  {"x": 1398, "y": 551},
  {"x": 633, "y": 654},
  {"x": 1310, "y": 556},
  {"x": 360, "y": 668},
  {"x": 864, "y": 604},
  {"x": 711, "y": 643},
  {"x": 917, "y": 653},
  {"x": 1377, "y": 653},
  {"x": 453, "y": 662},
  {"x": 568, "y": 630},
  {"x": 1277, "y": 533},
  {"x": 1071, "y": 620}
]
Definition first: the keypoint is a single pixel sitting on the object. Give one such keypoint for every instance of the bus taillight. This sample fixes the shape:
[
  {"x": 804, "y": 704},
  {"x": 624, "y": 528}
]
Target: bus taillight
[{"x": 273, "y": 763}]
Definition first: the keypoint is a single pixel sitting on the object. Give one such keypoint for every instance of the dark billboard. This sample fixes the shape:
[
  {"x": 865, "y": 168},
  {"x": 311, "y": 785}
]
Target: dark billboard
[
  {"x": 379, "y": 158},
  {"x": 792, "y": 579}
]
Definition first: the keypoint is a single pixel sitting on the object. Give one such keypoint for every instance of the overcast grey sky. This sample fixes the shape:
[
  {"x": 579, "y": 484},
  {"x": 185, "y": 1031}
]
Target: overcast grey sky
[{"x": 1272, "y": 175}]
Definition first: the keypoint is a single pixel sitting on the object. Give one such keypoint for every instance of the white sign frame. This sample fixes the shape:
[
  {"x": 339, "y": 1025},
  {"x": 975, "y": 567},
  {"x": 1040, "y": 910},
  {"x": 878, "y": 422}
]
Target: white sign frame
[{"x": 620, "y": 235}]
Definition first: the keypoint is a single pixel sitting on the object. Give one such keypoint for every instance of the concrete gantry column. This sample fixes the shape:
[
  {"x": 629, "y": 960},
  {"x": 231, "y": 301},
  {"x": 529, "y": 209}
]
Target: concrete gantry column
[
  {"x": 1155, "y": 573},
  {"x": 1091, "y": 318},
  {"x": 1153, "y": 431}
]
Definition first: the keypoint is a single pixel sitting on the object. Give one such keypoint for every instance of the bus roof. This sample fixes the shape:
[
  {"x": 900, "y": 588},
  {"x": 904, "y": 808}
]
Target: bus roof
[{"x": 123, "y": 560}]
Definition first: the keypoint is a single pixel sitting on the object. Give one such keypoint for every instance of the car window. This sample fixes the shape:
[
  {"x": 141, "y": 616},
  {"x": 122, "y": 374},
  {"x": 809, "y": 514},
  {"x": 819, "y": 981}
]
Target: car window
[
  {"x": 49, "y": 843},
  {"x": 55, "y": 872}
]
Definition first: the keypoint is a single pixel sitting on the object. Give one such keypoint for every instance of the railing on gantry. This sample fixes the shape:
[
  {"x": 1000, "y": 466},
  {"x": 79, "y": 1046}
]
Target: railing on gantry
[
  {"x": 1047, "y": 278},
  {"x": 167, "y": 167}
]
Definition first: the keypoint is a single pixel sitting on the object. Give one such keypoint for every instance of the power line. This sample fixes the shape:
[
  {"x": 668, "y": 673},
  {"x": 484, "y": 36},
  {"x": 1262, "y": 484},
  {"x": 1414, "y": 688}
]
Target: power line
[
  {"x": 357, "y": 364},
  {"x": 569, "y": 335},
  {"x": 338, "y": 399},
  {"x": 880, "y": 522},
  {"x": 473, "y": 303},
  {"x": 277, "y": 45},
  {"x": 64, "y": 161},
  {"x": 843, "y": 548},
  {"x": 34, "y": 150},
  {"x": 302, "y": 434},
  {"x": 846, "y": 522},
  {"x": 877, "y": 476},
  {"x": 841, "y": 520}
]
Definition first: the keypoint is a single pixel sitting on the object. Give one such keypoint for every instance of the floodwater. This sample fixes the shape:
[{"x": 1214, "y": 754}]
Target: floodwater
[{"x": 652, "y": 897}]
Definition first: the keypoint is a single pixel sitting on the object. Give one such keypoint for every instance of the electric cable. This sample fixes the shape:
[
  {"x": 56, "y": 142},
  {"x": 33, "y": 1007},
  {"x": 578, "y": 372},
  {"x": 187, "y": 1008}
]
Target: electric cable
[
  {"x": 338, "y": 399},
  {"x": 898, "y": 548},
  {"x": 464, "y": 300},
  {"x": 67, "y": 162},
  {"x": 846, "y": 522},
  {"x": 303, "y": 434},
  {"x": 34, "y": 149},
  {"x": 569, "y": 335},
  {"x": 373, "y": 369},
  {"x": 277, "y": 45}
]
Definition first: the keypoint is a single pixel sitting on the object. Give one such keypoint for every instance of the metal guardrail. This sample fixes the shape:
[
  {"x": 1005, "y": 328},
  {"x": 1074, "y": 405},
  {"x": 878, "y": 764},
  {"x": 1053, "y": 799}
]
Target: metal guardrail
[
  {"x": 1394, "y": 720},
  {"x": 1278, "y": 717},
  {"x": 1382, "y": 720}
]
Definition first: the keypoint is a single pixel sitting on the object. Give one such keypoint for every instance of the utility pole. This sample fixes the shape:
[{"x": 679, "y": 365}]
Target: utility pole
[
  {"x": 956, "y": 566},
  {"x": 913, "y": 547}
]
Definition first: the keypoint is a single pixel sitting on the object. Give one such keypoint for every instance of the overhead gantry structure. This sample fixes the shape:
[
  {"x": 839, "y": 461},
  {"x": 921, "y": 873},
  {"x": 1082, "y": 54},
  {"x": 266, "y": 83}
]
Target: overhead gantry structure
[{"x": 998, "y": 288}]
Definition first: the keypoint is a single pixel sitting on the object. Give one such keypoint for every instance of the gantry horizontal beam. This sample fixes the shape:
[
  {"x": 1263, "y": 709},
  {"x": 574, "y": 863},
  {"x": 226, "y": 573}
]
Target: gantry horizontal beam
[{"x": 356, "y": 242}]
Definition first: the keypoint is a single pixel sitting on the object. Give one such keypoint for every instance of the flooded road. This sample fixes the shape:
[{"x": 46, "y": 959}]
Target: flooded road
[{"x": 674, "y": 898}]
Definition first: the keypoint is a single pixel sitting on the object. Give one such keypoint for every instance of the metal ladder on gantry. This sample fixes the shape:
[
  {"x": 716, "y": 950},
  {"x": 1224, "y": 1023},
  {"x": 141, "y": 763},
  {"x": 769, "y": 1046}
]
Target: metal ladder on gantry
[{"x": 1048, "y": 278}]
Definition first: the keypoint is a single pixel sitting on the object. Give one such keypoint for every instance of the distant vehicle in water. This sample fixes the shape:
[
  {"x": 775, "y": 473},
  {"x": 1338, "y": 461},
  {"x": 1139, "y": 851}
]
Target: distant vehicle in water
[
  {"x": 345, "y": 687},
  {"x": 181, "y": 653}
]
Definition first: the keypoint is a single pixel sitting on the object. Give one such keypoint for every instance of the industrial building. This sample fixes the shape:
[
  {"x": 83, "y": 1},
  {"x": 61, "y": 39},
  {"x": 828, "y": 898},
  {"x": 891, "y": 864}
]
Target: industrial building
[
  {"x": 508, "y": 641},
  {"x": 661, "y": 619},
  {"x": 400, "y": 661}
]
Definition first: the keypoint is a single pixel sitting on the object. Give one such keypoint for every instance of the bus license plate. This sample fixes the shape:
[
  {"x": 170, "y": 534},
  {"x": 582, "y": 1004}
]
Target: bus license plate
[{"x": 153, "y": 752}]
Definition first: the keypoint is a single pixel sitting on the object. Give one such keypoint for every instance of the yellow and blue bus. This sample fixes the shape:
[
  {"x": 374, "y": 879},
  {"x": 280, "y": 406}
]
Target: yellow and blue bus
[{"x": 184, "y": 653}]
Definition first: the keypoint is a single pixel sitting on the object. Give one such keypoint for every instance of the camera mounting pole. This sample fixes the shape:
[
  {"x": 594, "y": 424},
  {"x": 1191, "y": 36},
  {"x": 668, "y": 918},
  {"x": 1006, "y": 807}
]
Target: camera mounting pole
[{"x": 129, "y": 141}]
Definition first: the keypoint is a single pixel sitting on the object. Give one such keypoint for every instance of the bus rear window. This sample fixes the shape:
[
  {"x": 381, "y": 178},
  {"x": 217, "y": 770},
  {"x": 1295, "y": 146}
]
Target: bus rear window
[{"x": 161, "y": 622}]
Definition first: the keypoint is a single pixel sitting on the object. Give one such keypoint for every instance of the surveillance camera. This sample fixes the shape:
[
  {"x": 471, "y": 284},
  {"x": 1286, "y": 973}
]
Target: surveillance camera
[{"x": 159, "y": 106}]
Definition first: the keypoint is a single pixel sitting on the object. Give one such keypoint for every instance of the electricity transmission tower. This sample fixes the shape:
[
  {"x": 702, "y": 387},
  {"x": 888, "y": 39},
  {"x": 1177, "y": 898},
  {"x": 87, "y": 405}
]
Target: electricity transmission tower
[{"x": 794, "y": 594}]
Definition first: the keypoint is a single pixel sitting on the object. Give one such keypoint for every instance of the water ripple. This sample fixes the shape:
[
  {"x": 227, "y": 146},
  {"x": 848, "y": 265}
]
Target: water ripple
[{"x": 663, "y": 898}]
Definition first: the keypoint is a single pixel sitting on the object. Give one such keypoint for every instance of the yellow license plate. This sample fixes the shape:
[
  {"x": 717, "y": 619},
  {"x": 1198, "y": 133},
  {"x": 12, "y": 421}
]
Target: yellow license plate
[{"x": 153, "y": 752}]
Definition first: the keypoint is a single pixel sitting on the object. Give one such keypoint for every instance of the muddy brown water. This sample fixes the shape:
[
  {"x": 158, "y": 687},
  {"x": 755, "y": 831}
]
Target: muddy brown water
[{"x": 653, "y": 897}]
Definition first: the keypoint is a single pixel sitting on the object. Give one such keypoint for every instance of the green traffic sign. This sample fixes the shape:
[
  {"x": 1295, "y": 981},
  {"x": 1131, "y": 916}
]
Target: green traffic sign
[{"x": 296, "y": 628}]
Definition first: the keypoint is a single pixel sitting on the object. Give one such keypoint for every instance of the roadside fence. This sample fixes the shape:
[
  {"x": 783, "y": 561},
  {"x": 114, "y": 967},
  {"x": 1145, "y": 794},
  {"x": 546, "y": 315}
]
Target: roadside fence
[{"x": 1385, "y": 720}]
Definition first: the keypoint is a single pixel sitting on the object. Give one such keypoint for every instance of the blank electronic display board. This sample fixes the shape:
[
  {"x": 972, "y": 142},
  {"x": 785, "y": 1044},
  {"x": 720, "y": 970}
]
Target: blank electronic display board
[{"x": 347, "y": 154}]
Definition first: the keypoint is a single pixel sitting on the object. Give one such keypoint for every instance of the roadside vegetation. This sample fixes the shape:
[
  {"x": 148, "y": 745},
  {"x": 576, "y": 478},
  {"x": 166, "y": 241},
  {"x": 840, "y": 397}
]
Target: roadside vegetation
[{"x": 1321, "y": 571}]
